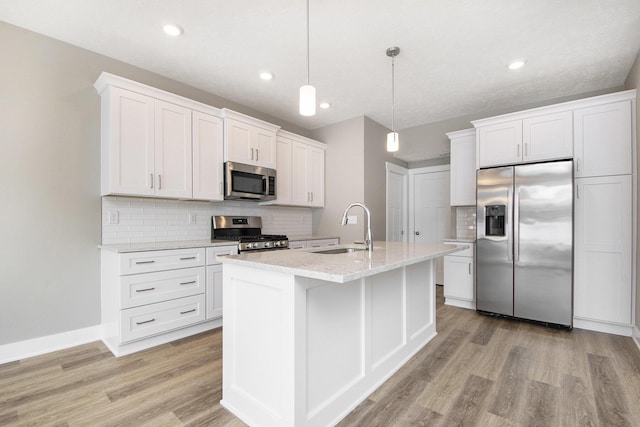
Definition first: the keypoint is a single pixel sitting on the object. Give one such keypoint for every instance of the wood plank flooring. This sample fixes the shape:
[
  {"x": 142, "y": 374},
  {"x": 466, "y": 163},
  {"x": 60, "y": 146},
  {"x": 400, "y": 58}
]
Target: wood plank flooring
[{"x": 479, "y": 371}]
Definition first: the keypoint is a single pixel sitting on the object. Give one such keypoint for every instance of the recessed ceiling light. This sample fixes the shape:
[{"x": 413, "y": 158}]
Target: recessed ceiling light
[
  {"x": 324, "y": 105},
  {"x": 172, "y": 29},
  {"x": 515, "y": 65},
  {"x": 266, "y": 75}
]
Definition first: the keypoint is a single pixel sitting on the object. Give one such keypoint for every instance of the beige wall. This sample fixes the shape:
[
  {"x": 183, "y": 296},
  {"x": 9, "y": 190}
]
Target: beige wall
[
  {"x": 50, "y": 180},
  {"x": 633, "y": 82}
]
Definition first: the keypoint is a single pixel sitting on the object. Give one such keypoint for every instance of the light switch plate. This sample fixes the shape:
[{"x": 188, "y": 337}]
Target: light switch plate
[
  {"x": 113, "y": 217},
  {"x": 192, "y": 218}
]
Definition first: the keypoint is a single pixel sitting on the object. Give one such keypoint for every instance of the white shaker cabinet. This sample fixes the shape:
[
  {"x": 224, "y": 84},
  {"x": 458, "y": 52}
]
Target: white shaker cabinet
[
  {"x": 248, "y": 140},
  {"x": 463, "y": 167},
  {"x": 603, "y": 140},
  {"x": 529, "y": 138},
  {"x": 603, "y": 254},
  {"x": 300, "y": 173},
  {"x": 214, "y": 279},
  {"x": 459, "y": 277},
  {"x": 208, "y": 168}
]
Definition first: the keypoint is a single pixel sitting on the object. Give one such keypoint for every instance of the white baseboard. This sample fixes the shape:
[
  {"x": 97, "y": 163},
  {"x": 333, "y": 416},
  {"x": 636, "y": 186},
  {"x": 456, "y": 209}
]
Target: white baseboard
[
  {"x": 609, "y": 328},
  {"x": 41, "y": 345}
]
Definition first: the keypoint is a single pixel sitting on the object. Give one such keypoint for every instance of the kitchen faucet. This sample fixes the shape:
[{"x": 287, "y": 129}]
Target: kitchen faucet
[{"x": 368, "y": 241}]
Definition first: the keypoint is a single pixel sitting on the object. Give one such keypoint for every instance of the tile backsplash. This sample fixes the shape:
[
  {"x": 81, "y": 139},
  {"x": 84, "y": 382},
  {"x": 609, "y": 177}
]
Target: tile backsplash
[
  {"x": 143, "y": 220},
  {"x": 466, "y": 222}
]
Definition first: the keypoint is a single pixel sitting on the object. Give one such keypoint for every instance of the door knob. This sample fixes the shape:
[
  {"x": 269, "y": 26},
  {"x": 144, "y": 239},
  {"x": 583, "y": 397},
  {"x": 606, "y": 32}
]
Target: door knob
[{"x": 417, "y": 233}]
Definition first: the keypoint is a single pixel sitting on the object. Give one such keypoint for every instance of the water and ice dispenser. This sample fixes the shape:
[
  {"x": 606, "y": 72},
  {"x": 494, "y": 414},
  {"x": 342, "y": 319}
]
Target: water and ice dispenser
[{"x": 494, "y": 220}]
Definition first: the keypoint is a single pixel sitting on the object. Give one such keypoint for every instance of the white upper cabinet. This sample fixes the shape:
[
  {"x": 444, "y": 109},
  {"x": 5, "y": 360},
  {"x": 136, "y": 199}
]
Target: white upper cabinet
[
  {"x": 603, "y": 140},
  {"x": 463, "y": 167},
  {"x": 300, "y": 173},
  {"x": 208, "y": 168},
  {"x": 148, "y": 142},
  {"x": 172, "y": 150},
  {"x": 248, "y": 140},
  {"x": 536, "y": 138},
  {"x": 547, "y": 137}
]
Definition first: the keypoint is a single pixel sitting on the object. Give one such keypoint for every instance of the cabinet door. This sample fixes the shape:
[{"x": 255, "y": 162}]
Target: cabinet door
[
  {"x": 173, "y": 159},
  {"x": 237, "y": 141},
  {"x": 129, "y": 146},
  {"x": 500, "y": 144},
  {"x": 300, "y": 194},
  {"x": 458, "y": 277},
  {"x": 603, "y": 262},
  {"x": 284, "y": 173},
  {"x": 603, "y": 144},
  {"x": 264, "y": 148},
  {"x": 463, "y": 171},
  {"x": 207, "y": 157},
  {"x": 214, "y": 291},
  {"x": 315, "y": 175},
  {"x": 548, "y": 137}
]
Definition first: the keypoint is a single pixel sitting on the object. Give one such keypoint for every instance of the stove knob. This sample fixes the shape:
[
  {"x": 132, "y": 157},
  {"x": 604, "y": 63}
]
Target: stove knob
[
  {"x": 283, "y": 243},
  {"x": 249, "y": 245},
  {"x": 267, "y": 244},
  {"x": 276, "y": 244}
]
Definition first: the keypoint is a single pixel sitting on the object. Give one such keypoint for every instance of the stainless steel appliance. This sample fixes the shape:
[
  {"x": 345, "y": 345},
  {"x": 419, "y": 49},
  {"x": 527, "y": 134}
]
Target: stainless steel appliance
[
  {"x": 525, "y": 242},
  {"x": 247, "y": 231},
  {"x": 246, "y": 182}
]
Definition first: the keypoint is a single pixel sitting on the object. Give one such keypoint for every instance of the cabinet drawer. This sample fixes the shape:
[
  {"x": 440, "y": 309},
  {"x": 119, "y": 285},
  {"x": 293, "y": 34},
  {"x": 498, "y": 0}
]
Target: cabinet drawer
[
  {"x": 321, "y": 242},
  {"x": 146, "y": 262},
  {"x": 153, "y": 319},
  {"x": 214, "y": 251},
  {"x": 468, "y": 252},
  {"x": 148, "y": 288}
]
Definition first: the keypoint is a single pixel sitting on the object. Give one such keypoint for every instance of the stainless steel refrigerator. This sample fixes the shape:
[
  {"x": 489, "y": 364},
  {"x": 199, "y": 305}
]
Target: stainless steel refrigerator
[{"x": 525, "y": 242}]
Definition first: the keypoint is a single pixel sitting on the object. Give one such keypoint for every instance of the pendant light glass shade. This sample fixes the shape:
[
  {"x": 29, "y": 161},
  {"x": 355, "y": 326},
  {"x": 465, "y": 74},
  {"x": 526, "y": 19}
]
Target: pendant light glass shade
[
  {"x": 393, "y": 143},
  {"x": 307, "y": 100}
]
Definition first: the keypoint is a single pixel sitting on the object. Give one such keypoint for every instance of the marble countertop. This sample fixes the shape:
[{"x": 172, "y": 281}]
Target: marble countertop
[
  {"x": 159, "y": 246},
  {"x": 345, "y": 267}
]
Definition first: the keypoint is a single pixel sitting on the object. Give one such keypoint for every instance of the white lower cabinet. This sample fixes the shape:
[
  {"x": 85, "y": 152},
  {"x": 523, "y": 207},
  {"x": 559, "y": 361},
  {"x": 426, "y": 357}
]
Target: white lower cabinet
[
  {"x": 459, "y": 278},
  {"x": 214, "y": 279},
  {"x": 313, "y": 243},
  {"x": 154, "y": 297},
  {"x": 603, "y": 254}
]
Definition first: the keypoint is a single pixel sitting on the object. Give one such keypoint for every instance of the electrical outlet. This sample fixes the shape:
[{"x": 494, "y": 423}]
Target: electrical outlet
[
  {"x": 113, "y": 217},
  {"x": 192, "y": 218},
  {"x": 352, "y": 219}
]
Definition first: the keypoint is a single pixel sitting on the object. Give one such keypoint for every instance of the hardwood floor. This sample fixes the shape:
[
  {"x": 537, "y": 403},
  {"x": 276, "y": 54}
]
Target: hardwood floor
[{"x": 478, "y": 371}]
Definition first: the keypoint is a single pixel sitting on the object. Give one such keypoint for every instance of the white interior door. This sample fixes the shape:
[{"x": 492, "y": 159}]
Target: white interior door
[
  {"x": 397, "y": 182},
  {"x": 431, "y": 211}
]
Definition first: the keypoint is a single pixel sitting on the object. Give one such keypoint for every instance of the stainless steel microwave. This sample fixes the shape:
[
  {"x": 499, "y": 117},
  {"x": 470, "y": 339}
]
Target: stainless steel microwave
[{"x": 246, "y": 182}]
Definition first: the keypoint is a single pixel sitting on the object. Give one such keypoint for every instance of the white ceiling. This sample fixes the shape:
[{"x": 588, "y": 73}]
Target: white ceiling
[{"x": 452, "y": 63}]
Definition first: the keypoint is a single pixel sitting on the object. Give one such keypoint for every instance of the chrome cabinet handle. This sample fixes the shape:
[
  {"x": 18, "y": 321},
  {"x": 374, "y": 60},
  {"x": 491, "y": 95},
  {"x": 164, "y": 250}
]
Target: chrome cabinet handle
[
  {"x": 188, "y": 311},
  {"x": 578, "y": 164},
  {"x": 159, "y": 182},
  {"x": 151, "y": 180},
  {"x": 469, "y": 269},
  {"x": 187, "y": 258},
  {"x": 145, "y": 262},
  {"x": 188, "y": 283},
  {"x": 146, "y": 321},
  {"x": 257, "y": 157},
  {"x": 518, "y": 150},
  {"x": 145, "y": 290},
  {"x": 252, "y": 154},
  {"x": 526, "y": 149},
  {"x": 577, "y": 191}
]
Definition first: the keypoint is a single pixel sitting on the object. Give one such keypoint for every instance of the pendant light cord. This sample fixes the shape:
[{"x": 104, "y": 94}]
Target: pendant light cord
[
  {"x": 308, "y": 61},
  {"x": 393, "y": 94}
]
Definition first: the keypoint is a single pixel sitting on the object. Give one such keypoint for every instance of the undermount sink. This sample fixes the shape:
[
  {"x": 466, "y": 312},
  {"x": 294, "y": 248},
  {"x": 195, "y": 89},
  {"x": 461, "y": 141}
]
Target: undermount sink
[{"x": 338, "y": 250}]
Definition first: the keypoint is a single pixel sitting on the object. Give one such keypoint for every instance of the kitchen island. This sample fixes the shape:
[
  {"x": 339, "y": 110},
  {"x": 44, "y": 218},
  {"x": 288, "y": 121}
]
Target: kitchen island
[{"x": 309, "y": 335}]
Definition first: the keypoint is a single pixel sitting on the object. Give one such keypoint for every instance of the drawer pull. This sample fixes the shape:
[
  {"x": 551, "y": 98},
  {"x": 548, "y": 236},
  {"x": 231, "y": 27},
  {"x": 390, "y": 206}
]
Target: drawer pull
[
  {"x": 187, "y": 258},
  {"x": 188, "y": 283},
  {"x": 145, "y": 289},
  {"x": 145, "y": 262},
  {"x": 188, "y": 311},
  {"x": 146, "y": 321}
]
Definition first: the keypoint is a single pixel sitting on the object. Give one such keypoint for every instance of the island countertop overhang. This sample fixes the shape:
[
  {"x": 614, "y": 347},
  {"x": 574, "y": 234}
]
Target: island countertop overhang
[{"x": 342, "y": 268}]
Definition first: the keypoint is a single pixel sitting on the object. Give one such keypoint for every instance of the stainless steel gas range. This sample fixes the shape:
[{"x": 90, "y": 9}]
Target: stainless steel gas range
[{"x": 247, "y": 231}]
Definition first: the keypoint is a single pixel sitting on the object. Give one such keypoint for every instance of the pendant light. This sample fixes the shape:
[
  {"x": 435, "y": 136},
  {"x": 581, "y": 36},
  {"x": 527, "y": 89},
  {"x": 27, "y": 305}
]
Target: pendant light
[
  {"x": 393, "y": 143},
  {"x": 307, "y": 92}
]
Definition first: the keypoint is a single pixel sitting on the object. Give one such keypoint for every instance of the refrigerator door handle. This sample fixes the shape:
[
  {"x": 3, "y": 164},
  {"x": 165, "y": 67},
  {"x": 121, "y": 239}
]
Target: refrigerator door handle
[
  {"x": 508, "y": 227},
  {"x": 516, "y": 226}
]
